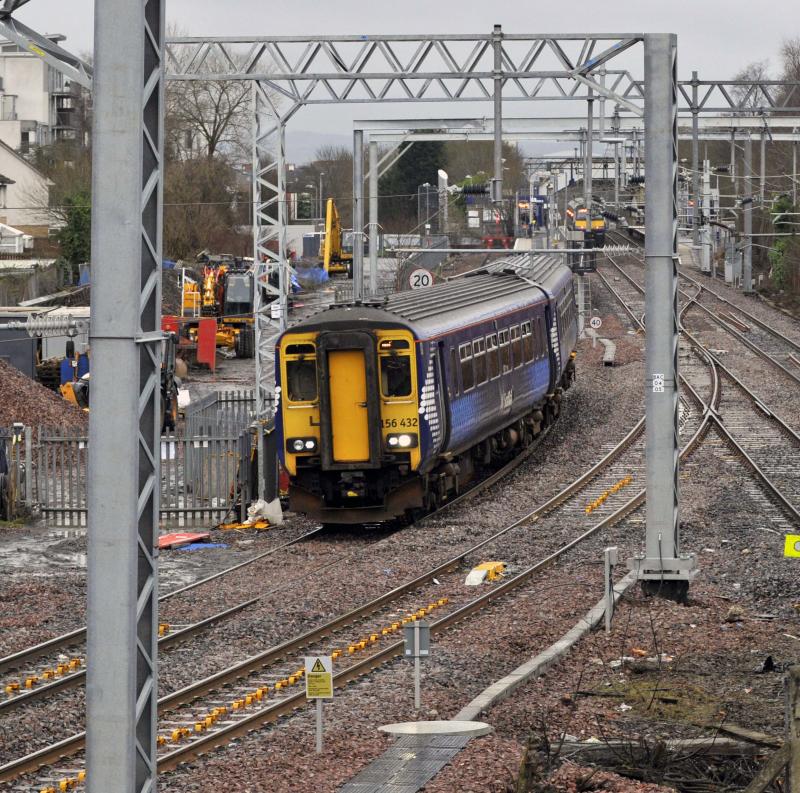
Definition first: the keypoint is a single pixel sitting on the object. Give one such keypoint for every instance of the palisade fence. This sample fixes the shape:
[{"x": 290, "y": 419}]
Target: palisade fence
[{"x": 205, "y": 467}]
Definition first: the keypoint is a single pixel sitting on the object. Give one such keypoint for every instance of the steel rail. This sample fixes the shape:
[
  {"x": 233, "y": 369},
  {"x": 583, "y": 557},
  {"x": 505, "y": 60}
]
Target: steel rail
[
  {"x": 66, "y": 640},
  {"x": 752, "y": 317},
  {"x": 71, "y": 681},
  {"x": 74, "y": 744},
  {"x": 721, "y": 428},
  {"x": 70, "y": 746},
  {"x": 727, "y": 325},
  {"x": 693, "y": 301},
  {"x": 284, "y": 707}
]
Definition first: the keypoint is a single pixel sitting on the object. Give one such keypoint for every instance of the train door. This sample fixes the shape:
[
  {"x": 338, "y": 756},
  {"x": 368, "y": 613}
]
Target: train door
[
  {"x": 350, "y": 421},
  {"x": 506, "y": 369},
  {"x": 554, "y": 354},
  {"x": 347, "y": 382}
]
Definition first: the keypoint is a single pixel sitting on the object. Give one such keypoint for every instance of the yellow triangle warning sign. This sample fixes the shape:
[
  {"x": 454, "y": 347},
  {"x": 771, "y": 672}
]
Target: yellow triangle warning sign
[{"x": 317, "y": 667}]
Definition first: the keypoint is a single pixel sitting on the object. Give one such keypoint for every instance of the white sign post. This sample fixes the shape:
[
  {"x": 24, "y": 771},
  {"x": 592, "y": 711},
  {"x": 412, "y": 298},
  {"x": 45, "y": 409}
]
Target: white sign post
[
  {"x": 319, "y": 686},
  {"x": 420, "y": 279},
  {"x": 594, "y": 324},
  {"x": 418, "y": 644}
]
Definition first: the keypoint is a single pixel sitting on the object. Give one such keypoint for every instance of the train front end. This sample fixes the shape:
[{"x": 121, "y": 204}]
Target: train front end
[{"x": 348, "y": 420}]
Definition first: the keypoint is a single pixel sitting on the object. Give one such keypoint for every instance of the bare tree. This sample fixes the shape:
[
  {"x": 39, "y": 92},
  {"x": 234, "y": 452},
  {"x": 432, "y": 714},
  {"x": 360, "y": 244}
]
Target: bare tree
[
  {"x": 207, "y": 117},
  {"x": 336, "y": 165},
  {"x": 749, "y": 98}
]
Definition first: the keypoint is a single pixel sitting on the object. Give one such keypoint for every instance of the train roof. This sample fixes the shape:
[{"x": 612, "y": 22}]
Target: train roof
[{"x": 505, "y": 286}]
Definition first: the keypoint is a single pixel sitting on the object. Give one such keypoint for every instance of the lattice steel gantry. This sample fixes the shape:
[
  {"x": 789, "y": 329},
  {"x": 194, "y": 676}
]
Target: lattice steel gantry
[{"x": 125, "y": 421}]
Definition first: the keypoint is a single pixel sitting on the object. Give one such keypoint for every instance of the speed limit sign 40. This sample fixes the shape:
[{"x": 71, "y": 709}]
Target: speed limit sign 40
[
  {"x": 420, "y": 279},
  {"x": 595, "y": 323}
]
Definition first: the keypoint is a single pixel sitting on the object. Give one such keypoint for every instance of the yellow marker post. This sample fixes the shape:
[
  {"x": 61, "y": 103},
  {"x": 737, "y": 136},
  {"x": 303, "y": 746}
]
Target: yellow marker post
[
  {"x": 319, "y": 686},
  {"x": 791, "y": 547}
]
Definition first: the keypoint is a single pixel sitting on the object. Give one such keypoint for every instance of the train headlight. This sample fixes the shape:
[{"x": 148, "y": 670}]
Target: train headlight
[
  {"x": 299, "y": 445},
  {"x": 405, "y": 440}
]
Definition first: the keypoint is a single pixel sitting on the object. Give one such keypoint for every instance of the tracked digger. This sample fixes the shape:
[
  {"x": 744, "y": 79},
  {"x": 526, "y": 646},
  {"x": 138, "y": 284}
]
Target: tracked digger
[
  {"x": 336, "y": 258},
  {"x": 225, "y": 292}
]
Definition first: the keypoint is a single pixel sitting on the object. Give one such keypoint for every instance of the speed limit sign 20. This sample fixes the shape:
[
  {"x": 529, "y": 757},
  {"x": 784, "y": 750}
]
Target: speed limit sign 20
[{"x": 420, "y": 279}]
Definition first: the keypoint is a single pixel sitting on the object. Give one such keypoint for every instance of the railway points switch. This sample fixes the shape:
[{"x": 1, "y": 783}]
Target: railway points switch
[{"x": 486, "y": 571}]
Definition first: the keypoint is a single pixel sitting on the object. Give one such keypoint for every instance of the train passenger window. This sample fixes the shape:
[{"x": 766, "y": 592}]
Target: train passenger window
[
  {"x": 527, "y": 341},
  {"x": 453, "y": 372},
  {"x": 395, "y": 375},
  {"x": 541, "y": 345},
  {"x": 505, "y": 351},
  {"x": 467, "y": 372},
  {"x": 479, "y": 354},
  {"x": 493, "y": 354},
  {"x": 301, "y": 380},
  {"x": 516, "y": 346}
]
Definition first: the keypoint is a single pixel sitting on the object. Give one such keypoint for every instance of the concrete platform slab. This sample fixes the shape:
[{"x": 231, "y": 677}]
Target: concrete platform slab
[{"x": 471, "y": 729}]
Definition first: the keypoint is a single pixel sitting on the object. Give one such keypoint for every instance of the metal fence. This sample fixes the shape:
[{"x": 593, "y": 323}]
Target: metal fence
[
  {"x": 60, "y": 459},
  {"x": 15, "y": 485},
  {"x": 205, "y": 467},
  {"x": 221, "y": 411}
]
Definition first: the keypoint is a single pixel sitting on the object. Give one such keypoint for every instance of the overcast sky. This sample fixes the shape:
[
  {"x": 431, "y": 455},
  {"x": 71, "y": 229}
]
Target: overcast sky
[{"x": 714, "y": 37}]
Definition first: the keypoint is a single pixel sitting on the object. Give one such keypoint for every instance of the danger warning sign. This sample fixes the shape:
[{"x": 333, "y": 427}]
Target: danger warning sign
[{"x": 319, "y": 677}]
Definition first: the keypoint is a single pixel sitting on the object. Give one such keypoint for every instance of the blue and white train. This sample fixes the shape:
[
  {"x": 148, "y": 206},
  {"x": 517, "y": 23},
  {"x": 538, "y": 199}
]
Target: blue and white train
[{"x": 389, "y": 408}]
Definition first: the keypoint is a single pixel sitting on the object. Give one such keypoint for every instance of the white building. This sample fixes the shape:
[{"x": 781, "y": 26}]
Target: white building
[
  {"x": 22, "y": 190},
  {"x": 36, "y": 101}
]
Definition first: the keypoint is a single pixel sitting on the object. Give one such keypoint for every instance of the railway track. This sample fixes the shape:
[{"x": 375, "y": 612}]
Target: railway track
[
  {"x": 64, "y": 664},
  {"x": 259, "y": 691},
  {"x": 756, "y": 434},
  {"x": 211, "y": 712},
  {"x": 768, "y": 343},
  {"x": 27, "y": 677}
]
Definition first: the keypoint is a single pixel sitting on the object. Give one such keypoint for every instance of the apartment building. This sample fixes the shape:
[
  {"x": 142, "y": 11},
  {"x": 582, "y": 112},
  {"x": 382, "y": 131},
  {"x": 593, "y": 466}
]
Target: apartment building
[{"x": 37, "y": 103}]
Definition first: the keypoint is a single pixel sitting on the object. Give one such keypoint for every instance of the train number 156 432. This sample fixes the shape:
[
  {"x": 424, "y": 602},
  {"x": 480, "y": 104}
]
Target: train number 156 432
[{"x": 393, "y": 423}]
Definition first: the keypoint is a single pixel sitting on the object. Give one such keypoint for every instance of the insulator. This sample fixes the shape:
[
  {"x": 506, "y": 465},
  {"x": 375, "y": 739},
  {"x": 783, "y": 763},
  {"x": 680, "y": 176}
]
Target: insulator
[{"x": 40, "y": 325}]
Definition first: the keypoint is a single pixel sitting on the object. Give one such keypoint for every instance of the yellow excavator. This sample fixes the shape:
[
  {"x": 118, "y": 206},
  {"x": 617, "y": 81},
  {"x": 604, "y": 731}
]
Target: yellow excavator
[
  {"x": 335, "y": 257},
  {"x": 77, "y": 391}
]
